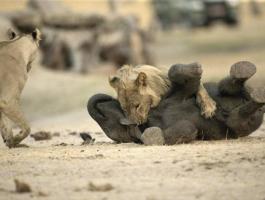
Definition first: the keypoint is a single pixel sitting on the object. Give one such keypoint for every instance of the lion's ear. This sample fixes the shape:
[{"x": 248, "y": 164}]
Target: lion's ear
[
  {"x": 36, "y": 35},
  {"x": 114, "y": 81},
  {"x": 11, "y": 34},
  {"x": 141, "y": 79}
]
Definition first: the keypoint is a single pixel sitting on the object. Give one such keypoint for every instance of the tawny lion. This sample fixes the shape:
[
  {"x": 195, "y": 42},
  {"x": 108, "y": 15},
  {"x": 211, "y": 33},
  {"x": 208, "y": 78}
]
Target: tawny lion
[
  {"x": 16, "y": 57},
  {"x": 141, "y": 88}
]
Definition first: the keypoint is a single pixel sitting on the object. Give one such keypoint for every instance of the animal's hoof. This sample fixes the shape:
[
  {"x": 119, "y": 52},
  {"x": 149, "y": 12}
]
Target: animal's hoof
[
  {"x": 195, "y": 69},
  {"x": 192, "y": 70},
  {"x": 153, "y": 136},
  {"x": 257, "y": 94},
  {"x": 243, "y": 70},
  {"x": 189, "y": 70}
]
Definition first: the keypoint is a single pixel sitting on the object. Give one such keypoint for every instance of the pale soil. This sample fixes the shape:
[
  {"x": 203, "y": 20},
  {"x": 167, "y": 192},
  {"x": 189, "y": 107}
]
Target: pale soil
[{"x": 232, "y": 169}]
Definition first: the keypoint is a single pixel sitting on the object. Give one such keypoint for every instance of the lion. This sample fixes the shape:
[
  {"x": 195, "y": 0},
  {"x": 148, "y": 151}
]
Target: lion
[
  {"x": 16, "y": 57},
  {"x": 141, "y": 88}
]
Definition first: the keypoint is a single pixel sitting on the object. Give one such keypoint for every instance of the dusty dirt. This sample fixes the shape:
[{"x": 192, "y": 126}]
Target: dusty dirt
[{"x": 62, "y": 168}]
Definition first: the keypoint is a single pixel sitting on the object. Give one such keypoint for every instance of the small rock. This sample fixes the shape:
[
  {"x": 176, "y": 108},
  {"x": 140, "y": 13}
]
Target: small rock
[
  {"x": 100, "y": 188},
  {"x": 175, "y": 161},
  {"x": 22, "y": 187},
  {"x": 41, "y": 135},
  {"x": 62, "y": 144},
  {"x": 42, "y": 194},
  {"x": 56, "y": 134},
  {"x": 87, "y": 138},
  {"x": 73, "y": 133}
]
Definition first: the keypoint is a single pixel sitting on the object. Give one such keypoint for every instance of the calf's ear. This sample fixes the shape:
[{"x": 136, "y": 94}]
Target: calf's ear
[
  {"x": 141, "y": 79},
  {"x": 114, "y": 81},
  {"x": 11, "y": 34}
]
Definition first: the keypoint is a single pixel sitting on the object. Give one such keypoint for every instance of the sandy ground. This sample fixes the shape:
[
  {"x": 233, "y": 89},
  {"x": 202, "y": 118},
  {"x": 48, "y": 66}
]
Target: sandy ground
[{"x": 61, "y": 168}]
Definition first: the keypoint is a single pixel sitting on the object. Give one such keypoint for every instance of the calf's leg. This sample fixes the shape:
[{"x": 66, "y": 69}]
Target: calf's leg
[
  {"x": 234, "y": 84},
  {"x": 246, "y": 118},
  {"x": 187, "y": 80},
  {"x": 181, "y": 132},
  {"x": 187, "y": 77}
]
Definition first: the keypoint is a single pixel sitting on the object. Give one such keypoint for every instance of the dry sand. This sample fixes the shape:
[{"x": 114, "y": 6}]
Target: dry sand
[{"x": 61, "y": 168}]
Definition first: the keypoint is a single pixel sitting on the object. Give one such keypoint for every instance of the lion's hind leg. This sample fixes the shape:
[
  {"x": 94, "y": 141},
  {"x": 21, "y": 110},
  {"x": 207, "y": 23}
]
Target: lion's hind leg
[
  {"x": 13, "y": 112},
  {"x": 206, "y": 103}
]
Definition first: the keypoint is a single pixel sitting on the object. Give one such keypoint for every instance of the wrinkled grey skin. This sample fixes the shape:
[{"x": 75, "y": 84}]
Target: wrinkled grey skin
[{"x": 239, "y": 111}]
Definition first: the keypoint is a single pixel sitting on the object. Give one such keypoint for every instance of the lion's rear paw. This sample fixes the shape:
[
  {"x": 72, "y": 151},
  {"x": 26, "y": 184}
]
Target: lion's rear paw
[{"x": 208, "y": 110}]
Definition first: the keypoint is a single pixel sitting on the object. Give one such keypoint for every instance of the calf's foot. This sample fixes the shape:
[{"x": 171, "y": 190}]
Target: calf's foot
[
  {"x": 242, "y": 70},
  {"x": 256, "y": 94},
  {"x": 153, "y": 136}
]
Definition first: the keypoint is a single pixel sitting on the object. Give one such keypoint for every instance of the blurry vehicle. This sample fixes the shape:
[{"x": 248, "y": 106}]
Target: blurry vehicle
[{"x": 196, "y": 13}]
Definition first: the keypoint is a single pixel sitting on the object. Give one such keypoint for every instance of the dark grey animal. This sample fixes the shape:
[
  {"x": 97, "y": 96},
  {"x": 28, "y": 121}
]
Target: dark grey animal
[{"x": 177, "y": 117}]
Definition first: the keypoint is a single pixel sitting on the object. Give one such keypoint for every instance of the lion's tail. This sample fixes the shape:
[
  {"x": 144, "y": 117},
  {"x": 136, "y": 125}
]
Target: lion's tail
[{"x": 92, "y": 107}]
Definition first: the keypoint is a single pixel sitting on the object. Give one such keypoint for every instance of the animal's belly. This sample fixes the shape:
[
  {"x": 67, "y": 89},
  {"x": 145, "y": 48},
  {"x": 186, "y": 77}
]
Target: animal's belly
[
  {"x": 170, "y": 112},
  {"x": 169, "y": 115}
]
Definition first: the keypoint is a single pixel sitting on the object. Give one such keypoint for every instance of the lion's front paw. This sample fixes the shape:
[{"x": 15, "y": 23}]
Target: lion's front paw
[{"x": 208, "y": 110}]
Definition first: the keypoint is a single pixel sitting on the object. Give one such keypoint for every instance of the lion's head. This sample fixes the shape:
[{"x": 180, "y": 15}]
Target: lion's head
[
  {"x": 139, "y": 89},
  {"x": 22, "y": 46}
]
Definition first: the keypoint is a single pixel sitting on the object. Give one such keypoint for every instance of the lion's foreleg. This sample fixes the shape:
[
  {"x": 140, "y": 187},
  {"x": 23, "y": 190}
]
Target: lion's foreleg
[
  {"x": 206, "y": 103},
  {"x": 6, "y": 130},
  {"x": 14, "y": 113}
]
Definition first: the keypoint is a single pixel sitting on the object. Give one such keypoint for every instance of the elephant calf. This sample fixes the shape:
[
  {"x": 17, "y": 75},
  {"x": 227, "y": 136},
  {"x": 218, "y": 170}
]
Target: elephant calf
[{"x": 177, "y": 119}]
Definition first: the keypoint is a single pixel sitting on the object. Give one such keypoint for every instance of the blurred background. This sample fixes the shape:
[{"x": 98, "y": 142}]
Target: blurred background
[{"x": 84, "y": 41}]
